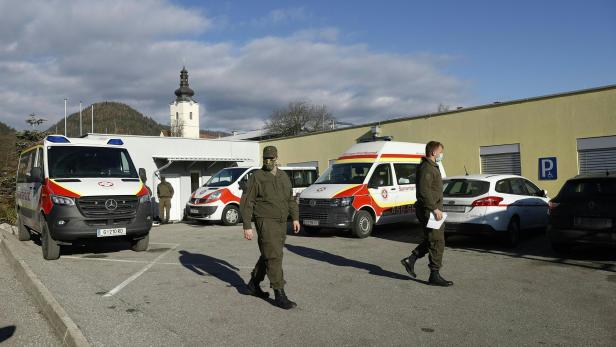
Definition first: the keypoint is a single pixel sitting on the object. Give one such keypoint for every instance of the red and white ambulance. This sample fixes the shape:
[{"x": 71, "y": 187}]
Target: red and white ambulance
[
  {"x": 371, "y": 183},
  {"x": 74, "y": 188},
  {"x": 219, "y": 198}
]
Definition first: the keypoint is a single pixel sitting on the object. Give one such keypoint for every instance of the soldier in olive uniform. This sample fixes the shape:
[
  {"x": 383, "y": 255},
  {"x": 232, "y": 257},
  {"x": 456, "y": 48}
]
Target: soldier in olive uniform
[
  {"x": 269, "y": 196},
  {"x": 430, "y": 200},
  {"x": 165, "y": 193}
]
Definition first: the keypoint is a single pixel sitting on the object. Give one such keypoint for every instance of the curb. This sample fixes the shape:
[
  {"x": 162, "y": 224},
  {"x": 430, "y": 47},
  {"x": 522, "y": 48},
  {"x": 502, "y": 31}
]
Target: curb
[{"x": 64, "y": 327}]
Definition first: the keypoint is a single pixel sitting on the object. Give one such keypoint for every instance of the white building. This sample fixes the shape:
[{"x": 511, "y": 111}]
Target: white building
[
  {"x": 184, "y": 111},
  {"x": 185, "y": 163}
]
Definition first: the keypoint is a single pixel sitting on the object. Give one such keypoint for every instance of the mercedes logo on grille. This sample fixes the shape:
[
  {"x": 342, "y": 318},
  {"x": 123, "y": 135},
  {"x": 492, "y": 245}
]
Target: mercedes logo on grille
[
  {"x": 111, "y": 204},
  {"x": 313, "y": 203}
]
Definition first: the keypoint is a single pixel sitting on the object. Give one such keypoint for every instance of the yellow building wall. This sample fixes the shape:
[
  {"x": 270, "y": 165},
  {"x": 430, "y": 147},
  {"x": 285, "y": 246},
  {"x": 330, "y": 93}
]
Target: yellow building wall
[{"x": 546, "y": 127}]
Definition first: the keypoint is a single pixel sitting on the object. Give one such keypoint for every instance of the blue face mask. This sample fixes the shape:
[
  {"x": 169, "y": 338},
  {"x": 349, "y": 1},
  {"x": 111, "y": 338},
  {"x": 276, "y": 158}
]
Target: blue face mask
[{"x": 439, "y": 158}]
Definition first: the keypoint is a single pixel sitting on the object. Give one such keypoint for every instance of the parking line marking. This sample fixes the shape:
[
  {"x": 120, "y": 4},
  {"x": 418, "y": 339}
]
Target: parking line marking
[
  {"x": 139, "y": 273},
  {"x": 144, "y": 261}
]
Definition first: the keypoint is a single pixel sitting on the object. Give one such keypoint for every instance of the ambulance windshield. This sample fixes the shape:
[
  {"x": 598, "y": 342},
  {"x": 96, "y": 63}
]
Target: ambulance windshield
[
  {"x": 225, "y": 177},
  {"x": 350, "y": 173},
  {"x": 89, "y": 162}
]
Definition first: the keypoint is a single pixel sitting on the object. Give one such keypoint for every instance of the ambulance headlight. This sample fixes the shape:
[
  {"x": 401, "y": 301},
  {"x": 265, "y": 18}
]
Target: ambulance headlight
[
  {"x": 342, "y": 202},
  {"x": 214, "y": 196},
  {"x": 62, "y": 200},
  {"x": 144, "y": 198}
]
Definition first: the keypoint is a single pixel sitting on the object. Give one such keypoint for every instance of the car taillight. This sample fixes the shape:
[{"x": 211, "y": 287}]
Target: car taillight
[
  {"x": 488, "y": 201},
  {"x": 552, "y": 206}
]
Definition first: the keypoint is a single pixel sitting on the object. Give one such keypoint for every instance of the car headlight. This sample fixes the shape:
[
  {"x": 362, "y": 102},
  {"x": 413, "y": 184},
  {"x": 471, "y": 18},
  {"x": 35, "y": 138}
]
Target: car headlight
[
  {"x": 145, "y": 198},
  {"x": 62, "y": 200},
  {"x": 214, "y": 196},
  {"x": 342, "y": 202}
]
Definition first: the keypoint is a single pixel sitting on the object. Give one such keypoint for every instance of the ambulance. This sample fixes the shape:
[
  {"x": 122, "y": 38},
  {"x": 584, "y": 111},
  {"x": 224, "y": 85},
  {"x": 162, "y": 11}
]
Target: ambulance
[
  {"x": 219, "y": 198},
  {"x": 69, "y": 189},
  {"x": 372, "y": 183}
]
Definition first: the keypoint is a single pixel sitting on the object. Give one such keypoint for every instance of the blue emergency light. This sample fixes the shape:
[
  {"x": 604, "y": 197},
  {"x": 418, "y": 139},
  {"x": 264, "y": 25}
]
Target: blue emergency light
[
  {"x": 57, "y": 139},
  {"x": 115, "y": 142}
]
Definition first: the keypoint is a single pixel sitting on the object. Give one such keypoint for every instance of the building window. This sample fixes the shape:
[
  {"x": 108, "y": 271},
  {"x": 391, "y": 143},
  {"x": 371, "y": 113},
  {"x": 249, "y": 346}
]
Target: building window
[
  {"x": 596, "y": 154},
  {"x": 503, "y": 159},
  {"x": 191, "y": 116}
]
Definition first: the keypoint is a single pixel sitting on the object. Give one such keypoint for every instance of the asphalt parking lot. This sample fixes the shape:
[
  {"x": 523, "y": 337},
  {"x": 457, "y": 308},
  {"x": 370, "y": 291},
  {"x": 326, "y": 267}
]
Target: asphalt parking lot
[{"x": 188, "y": 289}]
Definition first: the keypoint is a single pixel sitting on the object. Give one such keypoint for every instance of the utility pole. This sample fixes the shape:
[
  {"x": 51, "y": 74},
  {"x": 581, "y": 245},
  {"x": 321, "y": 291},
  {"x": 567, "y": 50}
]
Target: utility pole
[
  {"x": 93, "y": 118},
  {"x": 65, "y": 100},
  {"x": 80, "y": 121}
]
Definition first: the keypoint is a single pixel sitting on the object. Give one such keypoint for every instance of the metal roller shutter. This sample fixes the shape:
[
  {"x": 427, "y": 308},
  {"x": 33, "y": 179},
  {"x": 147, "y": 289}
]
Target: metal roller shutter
[
  {"x": 597, "y": 160},
  {"x": 503, "y": 163}
]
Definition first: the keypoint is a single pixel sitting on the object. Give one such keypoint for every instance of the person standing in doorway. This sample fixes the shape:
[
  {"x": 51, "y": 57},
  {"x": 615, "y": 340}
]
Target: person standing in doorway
[
  {"x": 165, "y": 193},
  {"x": 269, "y": 195},
  {"x": 430, "y": 201}
]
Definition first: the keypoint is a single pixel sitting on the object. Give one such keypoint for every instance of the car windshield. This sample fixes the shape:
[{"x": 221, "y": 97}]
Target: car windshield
[
  {"x": 225, "y": 177},
  {"x": 589, "y": 187},
  {"x": 353, "y": 173},
  {"x": 465, "y": 188},
  {"x": 89, "y": 162}
]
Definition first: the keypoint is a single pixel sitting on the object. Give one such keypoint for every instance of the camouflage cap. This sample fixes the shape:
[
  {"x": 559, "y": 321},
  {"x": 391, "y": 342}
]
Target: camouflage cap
[{"x": 270, "y": 152}]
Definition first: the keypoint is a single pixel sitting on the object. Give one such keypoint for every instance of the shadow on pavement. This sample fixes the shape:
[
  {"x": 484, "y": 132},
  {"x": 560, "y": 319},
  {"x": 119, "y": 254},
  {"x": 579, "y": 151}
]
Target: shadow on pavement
[
  {"x": 7, "y": 332},
  {"x": 338, "y": 260},
  {"x": 204, "y": 265}
]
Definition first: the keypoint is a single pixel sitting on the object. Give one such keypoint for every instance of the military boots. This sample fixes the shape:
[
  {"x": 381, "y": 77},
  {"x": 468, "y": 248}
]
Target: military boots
[
  {"x": 255, "y": 289},
  {"x": 282, "y": 301},
  {"x": 437, "y": 280}
]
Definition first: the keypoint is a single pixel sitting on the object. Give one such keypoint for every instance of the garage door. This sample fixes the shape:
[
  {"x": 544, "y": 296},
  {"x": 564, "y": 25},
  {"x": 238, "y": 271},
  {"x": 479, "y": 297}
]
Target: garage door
[
  {"x": 597, "y": 154},
  {"x": 501, "y": 159}
]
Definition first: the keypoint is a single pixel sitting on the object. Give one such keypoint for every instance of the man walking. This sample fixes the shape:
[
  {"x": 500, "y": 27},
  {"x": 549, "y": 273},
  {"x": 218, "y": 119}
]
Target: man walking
[
  {"x": 269, "y": 196},
  {"x": 430, "y": 201},
  {"x": 165, "y": 193}
]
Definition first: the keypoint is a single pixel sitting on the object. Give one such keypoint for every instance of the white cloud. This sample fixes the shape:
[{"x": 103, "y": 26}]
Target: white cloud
[
  {"x": 132, "y": 52},
  {"x": 281, "y": 16}
]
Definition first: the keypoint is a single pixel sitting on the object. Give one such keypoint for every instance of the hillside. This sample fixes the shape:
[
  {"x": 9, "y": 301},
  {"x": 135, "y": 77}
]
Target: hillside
[
  {"x": 5, "y": 129},
  {"x": 109, "y": 118}
]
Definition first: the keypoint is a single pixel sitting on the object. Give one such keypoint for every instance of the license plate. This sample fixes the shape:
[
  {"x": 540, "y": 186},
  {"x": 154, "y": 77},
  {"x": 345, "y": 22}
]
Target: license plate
[
  {"x": 592, "y": 223},
  {"x": 311, "y": 222},
  {"x": 192, "y": 210},
  {"x": 110, "y": 232},
  {"x": 452, "y": 208}
]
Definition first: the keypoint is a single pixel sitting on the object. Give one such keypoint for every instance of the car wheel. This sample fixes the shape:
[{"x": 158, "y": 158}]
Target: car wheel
[
  {"x": 512, "y": 237},
  {"x": 362, "y": 224},
  {"x": 51, "y": 250},
  {"x": 230, "y": 215},
  {"x": 311, "y": 230},
  {"x": 141, "y": 245},
  {"x": 22, "y": 232}
]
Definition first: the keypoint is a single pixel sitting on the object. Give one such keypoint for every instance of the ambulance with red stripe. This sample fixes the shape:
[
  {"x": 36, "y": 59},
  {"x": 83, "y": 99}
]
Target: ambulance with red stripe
[
  {"x": 372, "y": 183},
  {"x": 219, "y": 198},
  {"x": 69, "y": 189}
]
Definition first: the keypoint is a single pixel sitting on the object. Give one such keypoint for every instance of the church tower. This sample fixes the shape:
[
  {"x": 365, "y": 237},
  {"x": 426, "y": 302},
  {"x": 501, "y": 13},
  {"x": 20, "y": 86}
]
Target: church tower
[{"x": 184, "y": 111}]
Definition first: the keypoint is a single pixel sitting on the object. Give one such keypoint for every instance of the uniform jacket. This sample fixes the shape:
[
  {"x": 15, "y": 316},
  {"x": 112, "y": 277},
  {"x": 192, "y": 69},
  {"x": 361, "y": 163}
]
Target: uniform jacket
[
  {"x": 429, "y": 186},
  {"x": 165, "y": 190}
]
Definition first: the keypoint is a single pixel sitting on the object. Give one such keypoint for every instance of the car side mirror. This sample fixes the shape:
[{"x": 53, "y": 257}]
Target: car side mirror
[
  {"x": 544, "y": 193},
  {"x": 36, "y": 174}
]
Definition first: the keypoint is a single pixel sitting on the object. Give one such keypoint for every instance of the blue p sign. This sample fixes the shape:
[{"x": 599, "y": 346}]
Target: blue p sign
[{"x": 548, "y": 169}]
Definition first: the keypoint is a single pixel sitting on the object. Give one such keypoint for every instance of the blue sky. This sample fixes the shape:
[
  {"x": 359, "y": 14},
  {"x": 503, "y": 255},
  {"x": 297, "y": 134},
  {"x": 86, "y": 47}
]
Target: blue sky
[{"x": 365, "y": 60}]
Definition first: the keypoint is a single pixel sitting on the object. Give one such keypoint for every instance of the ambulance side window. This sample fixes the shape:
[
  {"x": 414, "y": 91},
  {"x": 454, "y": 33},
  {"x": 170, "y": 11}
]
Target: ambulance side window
[
  {"x": 405, "y": 173},
  {"x": 381, "y": 177},
  {"x": 24, "y": 162}
]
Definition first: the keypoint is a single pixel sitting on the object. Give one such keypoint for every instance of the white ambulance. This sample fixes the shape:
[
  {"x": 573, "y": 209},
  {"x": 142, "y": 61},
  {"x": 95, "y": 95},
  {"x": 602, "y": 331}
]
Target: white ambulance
[
  {"x": 371, "y": 183},
  {"x": 73, "y": 188},
  {"x": 219, "y": 198}
]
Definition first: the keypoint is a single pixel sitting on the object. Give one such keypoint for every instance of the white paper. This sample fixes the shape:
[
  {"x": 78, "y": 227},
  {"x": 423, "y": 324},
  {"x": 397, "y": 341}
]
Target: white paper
[{"x": 436, "y": 224}]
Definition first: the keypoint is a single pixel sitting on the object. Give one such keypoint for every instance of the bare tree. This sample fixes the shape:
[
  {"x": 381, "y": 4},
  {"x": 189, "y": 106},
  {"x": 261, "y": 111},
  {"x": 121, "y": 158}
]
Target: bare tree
[
  {"x": 299, "y": 117},
  {"x": 177, "y": 128}
]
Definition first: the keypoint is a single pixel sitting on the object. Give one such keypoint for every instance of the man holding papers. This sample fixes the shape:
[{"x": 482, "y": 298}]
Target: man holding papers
[{"x": 429, "y": 207}]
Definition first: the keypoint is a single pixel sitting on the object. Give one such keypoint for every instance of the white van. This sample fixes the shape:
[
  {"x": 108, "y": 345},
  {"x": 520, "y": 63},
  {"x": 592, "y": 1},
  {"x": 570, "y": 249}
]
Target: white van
[
  {"x": 219, "y": 198},
  {"x": 74, "y": 188},
  {"x": 371, "y": 183}
]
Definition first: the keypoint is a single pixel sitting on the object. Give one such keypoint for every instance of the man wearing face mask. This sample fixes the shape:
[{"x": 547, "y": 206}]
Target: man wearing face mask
[
  {"x": 269, "y": 196},
  {"x": 430, "y": 201}
]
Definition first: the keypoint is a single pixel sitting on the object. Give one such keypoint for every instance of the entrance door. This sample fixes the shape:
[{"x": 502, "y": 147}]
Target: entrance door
[
  {"x": 195, "y": 182},
  {"x": 176, "y": 206}
]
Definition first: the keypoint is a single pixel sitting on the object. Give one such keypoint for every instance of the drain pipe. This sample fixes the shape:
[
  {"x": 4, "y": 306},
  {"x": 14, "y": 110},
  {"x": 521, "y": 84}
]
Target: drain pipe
[{"x": 155, "y": 174}]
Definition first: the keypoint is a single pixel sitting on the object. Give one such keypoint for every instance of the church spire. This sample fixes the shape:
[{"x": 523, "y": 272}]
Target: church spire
[{"x": 184, "y": 93}]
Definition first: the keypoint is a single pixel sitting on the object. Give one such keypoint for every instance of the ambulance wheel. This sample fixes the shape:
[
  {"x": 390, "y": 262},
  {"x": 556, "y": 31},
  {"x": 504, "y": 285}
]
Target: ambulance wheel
[
  {"x": 141, "y": 245},
  {"x": 51, "y": 250},
  {"x": 230, "y": 215},
  {"x": 311, "y": 230},
  {"x": 362, "y": 224},
  {"x": 22, "y": 232}
]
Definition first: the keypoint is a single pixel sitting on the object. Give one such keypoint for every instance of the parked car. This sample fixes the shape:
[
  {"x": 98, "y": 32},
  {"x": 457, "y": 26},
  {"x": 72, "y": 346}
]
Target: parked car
[
  {"x": 501, "y": 205},
  {"x": 73, "y": 188},
  {"x": 584, "y": 212},
  {"x": 219, "y": 198},
  {"x": 371, "y": 183}
]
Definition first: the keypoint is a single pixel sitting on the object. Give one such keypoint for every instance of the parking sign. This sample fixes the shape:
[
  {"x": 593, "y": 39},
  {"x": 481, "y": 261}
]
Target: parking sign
[{"x": 548, "y": 169}]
